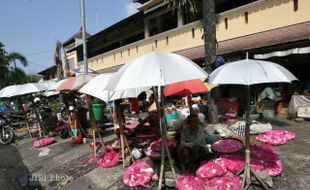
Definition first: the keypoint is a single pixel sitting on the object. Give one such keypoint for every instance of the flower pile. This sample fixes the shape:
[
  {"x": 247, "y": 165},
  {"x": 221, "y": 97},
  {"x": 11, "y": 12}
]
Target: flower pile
[
  {"x": 227, "y": 146},
  {"x": 276, "y": 137},
  {"x": 138, "y": 174},
  {"x": 110, "y": 158}
]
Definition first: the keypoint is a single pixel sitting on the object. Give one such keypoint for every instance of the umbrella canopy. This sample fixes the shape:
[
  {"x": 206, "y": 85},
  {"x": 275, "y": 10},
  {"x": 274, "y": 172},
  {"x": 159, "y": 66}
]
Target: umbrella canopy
[
  {"x": 250, "y": 72},
  {"x": 96, "y": 87},
  {"x": 55, "y": 85},
  {"x": 7, "y": 91},
  {"x": 74, "y": 83},
  {"x": 17, "y": 90},
  {"x": 155, "y": 69},
  {"x": 187, "y": 87}
]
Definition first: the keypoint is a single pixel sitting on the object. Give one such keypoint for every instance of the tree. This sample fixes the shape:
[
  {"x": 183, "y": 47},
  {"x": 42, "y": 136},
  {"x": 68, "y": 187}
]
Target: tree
[
  {"x": 209, "y": 21},
  {"x": 58, "y": 60},
  {"x": 9, "y": 76},
  {"x": 187, "y": 7},
  {"x": 15, "y": 56}
]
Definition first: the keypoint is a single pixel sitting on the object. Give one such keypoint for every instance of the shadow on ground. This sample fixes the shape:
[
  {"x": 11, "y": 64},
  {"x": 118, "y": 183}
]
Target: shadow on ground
[{"x": 14, "y": 174}]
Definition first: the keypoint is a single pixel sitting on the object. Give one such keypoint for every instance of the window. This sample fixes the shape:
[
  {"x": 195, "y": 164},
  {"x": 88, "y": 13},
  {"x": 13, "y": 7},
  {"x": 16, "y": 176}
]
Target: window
[
  {"x": 167, "y": 40},
  {"x": 155, "y": 43},
  {"x": 246, "y": 17},
  {"x": 295, "y": 5},
  {"x": 71, "y": 63},
  {"x": 226, "y": 23},
  {"x": 193, "y": 33}
]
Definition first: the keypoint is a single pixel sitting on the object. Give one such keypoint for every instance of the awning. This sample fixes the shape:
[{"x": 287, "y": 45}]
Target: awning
[{"x": 303, "y": 50}]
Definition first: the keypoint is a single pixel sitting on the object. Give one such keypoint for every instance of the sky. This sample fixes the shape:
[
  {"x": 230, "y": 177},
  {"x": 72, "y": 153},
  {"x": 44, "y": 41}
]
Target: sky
[{"x": 32, "y": 27}]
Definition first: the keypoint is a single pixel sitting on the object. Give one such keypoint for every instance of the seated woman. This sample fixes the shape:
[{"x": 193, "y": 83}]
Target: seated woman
[
  {"x": 193, "y": 147},
  {"x": 153, "y": 121}
]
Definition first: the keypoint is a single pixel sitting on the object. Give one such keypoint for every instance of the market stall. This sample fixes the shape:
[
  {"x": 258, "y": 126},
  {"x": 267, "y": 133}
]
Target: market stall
[{"x": 299, "y": 106}]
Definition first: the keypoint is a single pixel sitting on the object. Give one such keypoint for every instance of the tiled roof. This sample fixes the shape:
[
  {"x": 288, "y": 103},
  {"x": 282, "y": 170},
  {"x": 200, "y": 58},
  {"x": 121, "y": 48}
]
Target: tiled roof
[{"x": 263, "y": 39}]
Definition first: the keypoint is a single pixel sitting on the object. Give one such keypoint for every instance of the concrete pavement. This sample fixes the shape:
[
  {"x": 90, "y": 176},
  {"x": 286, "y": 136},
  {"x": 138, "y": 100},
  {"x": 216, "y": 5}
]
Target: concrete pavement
[{"x": 19, "y": 160}]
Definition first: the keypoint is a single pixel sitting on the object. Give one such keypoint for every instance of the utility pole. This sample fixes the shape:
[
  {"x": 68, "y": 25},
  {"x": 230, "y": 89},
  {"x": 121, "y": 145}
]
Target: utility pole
[{"x": 82, "y": 6}]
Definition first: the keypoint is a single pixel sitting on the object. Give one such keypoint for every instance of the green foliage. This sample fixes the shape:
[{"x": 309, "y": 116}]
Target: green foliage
[
  {"x": 9, "y": 75},
  {"x": 189, "y": 7},
  {"x": 33, "y": 78},
  {"x": 55, "y": 106}
]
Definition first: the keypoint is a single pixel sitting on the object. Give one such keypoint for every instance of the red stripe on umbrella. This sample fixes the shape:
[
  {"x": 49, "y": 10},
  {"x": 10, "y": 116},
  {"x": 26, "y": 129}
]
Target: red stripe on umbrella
[
  {"x": 185, "y": 88},
  {"x": 74, "y": 83}
]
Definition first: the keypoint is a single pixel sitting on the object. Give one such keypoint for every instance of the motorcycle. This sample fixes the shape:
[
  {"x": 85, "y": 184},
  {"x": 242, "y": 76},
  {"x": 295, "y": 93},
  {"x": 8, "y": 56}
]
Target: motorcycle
[
  {"x": 6, "y": 132},
  {"x": 64, "y": 112}
]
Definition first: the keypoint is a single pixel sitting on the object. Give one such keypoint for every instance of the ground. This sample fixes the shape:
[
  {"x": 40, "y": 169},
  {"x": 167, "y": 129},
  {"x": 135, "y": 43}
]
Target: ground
[{"x": 19, "y": 160}]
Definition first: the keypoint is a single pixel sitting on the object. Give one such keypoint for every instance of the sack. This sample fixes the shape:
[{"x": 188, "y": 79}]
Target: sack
[
  {"x": 138, "y": 174},
  {"x": 210, "y": 170},
  {"x": 136, "y": 153},
  {"x": 225, "y": 183},
  {"x": 276, "y": 137},
  {"x": 191, "y": 182},
  {"x": 43, "y": 142}
]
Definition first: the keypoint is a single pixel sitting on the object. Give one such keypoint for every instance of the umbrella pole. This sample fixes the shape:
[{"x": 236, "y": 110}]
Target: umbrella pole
[
  {"x": 162, "y": 162},
  {"x": 92, "y": 119},
  {"x": 190, "y": 103},
  {"x": 123, "y": 148},
  {"x": 247, "y": 168},
  {"x": 94, "y": 139},
  {"x": 123, "y": 140},
  {"x": 28, "y": 128},
  {"x": 159, "y": 100},
  {"x": 164, "y": 131}
]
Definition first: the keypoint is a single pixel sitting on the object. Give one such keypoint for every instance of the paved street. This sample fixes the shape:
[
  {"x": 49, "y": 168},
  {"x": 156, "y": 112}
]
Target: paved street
[{"x": 20, "y": 160}]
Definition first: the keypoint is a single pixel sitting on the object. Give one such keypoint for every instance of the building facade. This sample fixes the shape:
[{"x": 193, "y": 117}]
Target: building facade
[{"x": 275, "y": 30}]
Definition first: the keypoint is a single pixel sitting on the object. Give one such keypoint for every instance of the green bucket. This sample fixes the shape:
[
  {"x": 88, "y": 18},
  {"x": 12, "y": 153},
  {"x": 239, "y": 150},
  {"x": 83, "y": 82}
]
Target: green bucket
[{"x": 98, "y": 110}]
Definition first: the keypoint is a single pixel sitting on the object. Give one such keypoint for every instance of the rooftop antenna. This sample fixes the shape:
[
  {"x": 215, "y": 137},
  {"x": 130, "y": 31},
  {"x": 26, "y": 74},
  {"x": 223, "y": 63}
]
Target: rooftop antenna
[{"x": 97, "y": 15}]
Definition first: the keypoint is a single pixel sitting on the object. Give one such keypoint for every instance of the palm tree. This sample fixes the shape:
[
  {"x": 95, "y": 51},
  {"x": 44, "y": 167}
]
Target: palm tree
[
  {"x": 209, "y": 26},
  {"x": 3, "y": 61},
  {"x": 209, "y": 21},
  {"x": 58, "y": 60},
  {"x": 15, "y": 76},
  {"x": 15, "y": 56}
]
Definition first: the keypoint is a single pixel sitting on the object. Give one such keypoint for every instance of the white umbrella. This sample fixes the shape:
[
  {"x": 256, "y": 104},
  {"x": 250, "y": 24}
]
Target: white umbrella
[
  {"x": 17, "y": 90},
  {"x": 75, "y": 83},
  {"x": 7, "y": 91},
  {"x": 155, "y": 69},
  {"x": 96, "y": 87},
  {"x": 55, "y": 85},
  {"x": 249, "y": 72},
  {"x": 52, "y": 87}
]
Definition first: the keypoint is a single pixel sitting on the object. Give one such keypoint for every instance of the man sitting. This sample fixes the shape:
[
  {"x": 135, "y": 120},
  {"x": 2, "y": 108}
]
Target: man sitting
[{"x": 193, "y": 146}]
